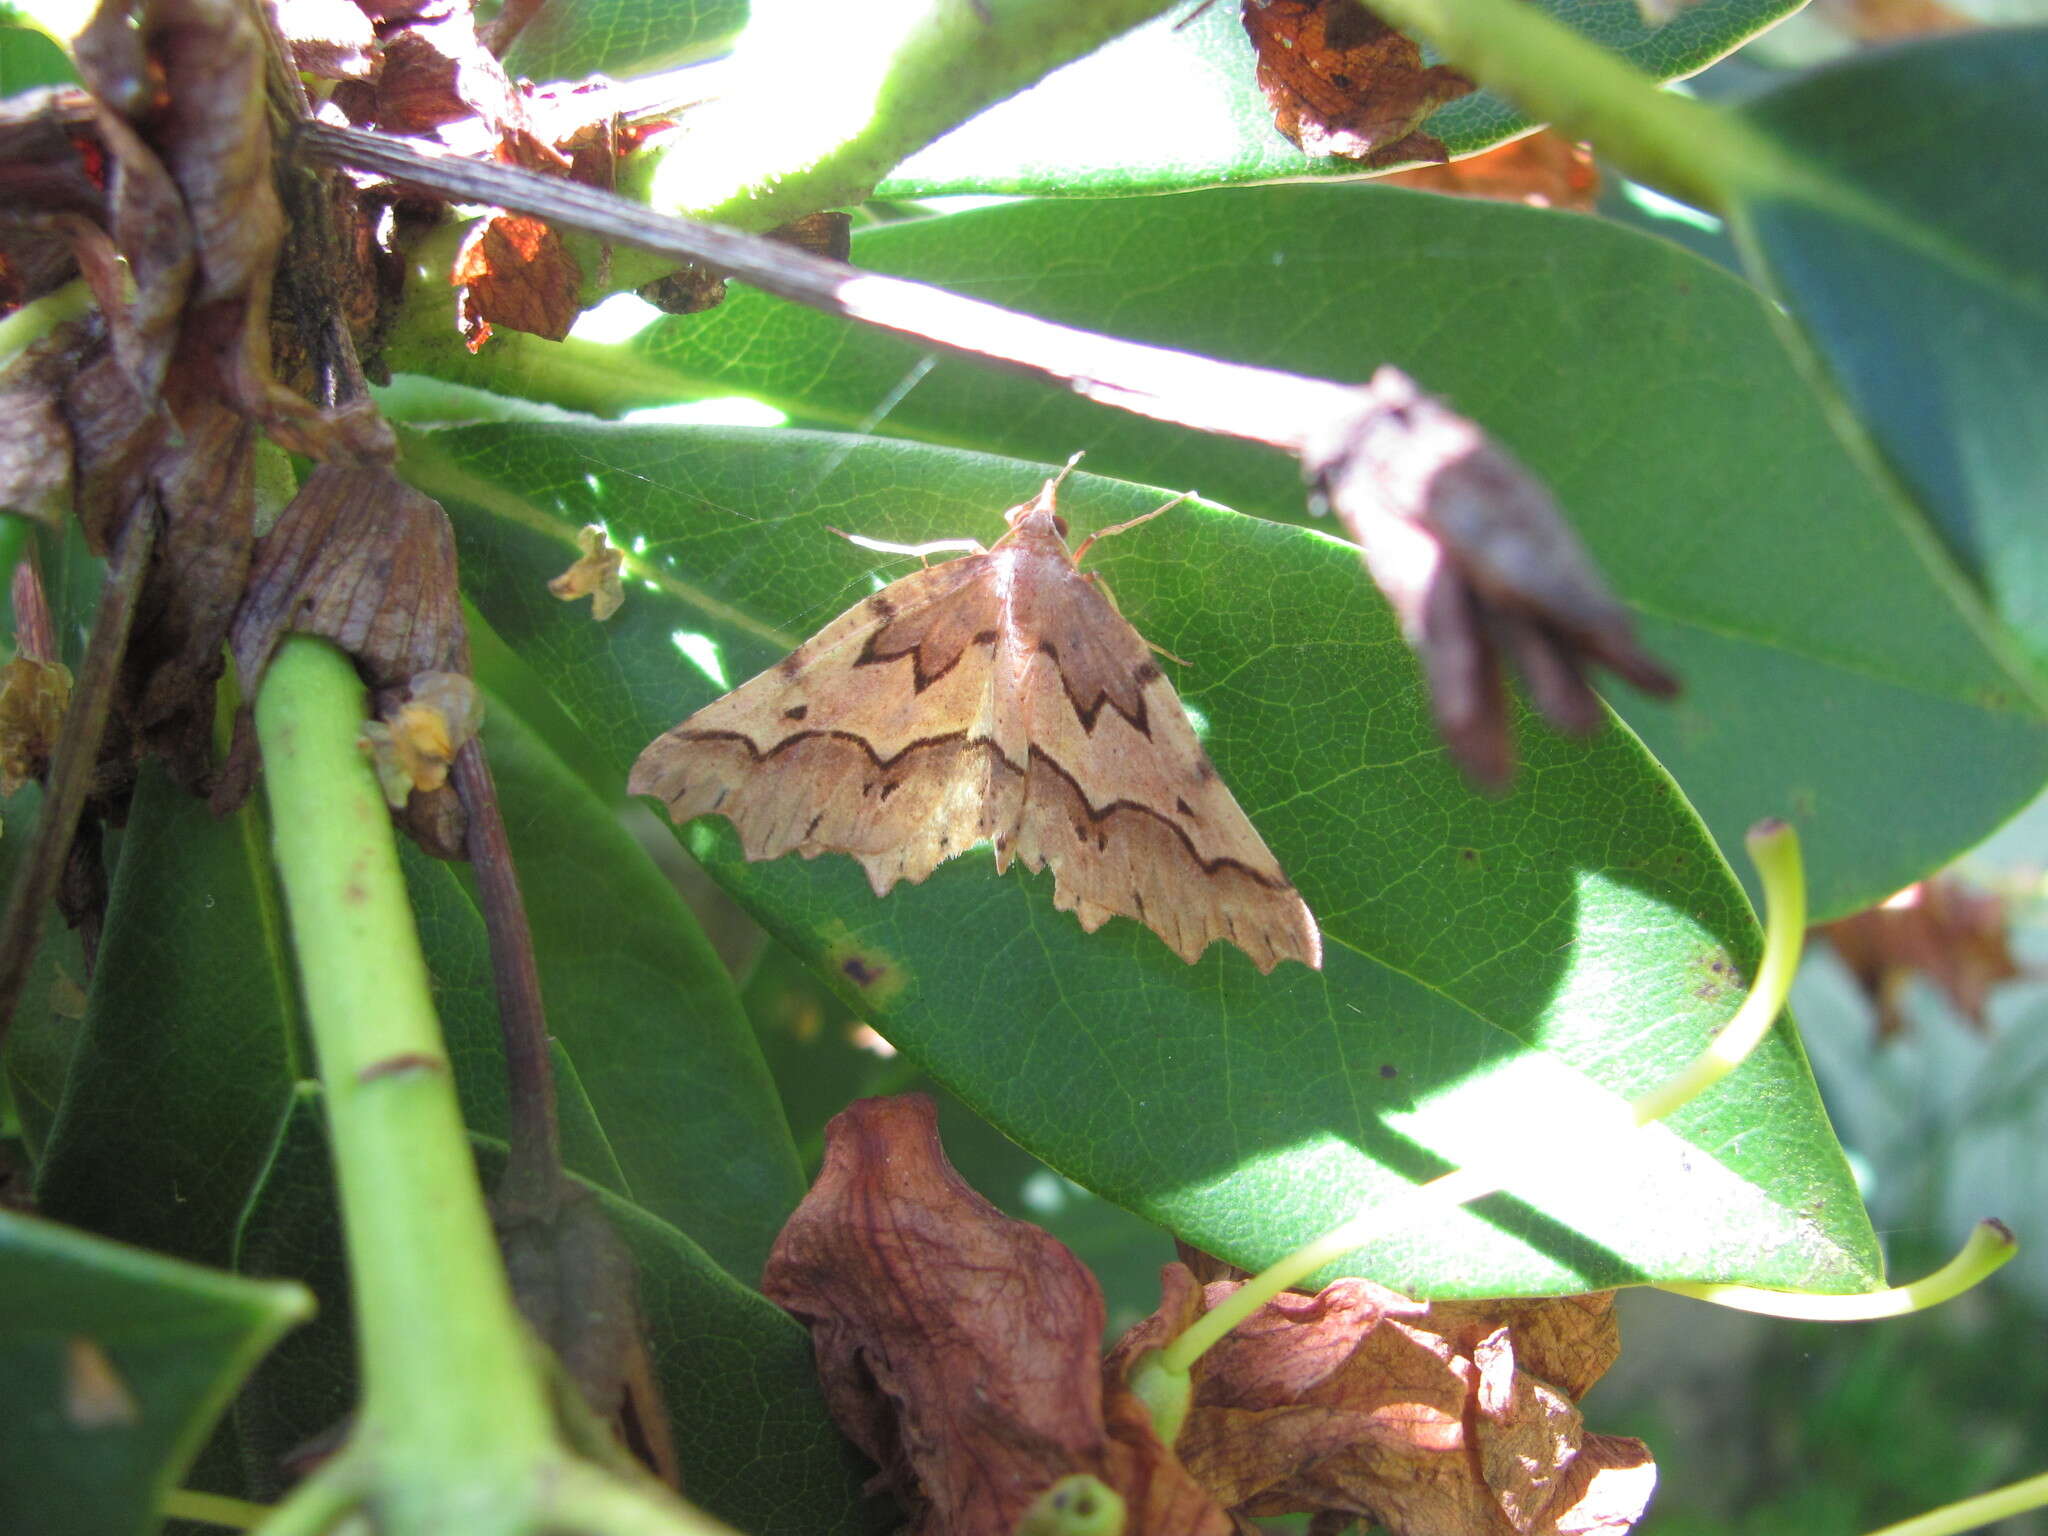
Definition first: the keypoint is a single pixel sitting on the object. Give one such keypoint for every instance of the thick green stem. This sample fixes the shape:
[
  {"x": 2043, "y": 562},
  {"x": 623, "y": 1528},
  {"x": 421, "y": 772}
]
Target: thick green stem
[{"x": 448, "y": 1380}]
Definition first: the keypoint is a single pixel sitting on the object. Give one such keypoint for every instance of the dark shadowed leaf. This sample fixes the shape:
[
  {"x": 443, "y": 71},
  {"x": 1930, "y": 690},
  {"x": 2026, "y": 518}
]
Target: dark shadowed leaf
[
  {"x": 1912, "y": 273},
  {"x": 113, "y": 1365},
  {"x": 751, "y": 1433}
]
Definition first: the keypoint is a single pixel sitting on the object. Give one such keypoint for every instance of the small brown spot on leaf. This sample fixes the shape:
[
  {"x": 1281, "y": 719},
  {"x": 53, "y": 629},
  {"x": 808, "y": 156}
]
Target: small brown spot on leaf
[{"x": 95, "y": 1396}]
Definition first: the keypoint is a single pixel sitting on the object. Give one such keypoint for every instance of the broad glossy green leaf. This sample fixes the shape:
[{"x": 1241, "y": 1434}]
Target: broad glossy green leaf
[
  {"x": 1644, "y": 384},
  {"x": 622, "y": 37},
  {"x": 177, "y": 1339},
  {"x": 191, "y": 1038},
  {"x": 638, "y": 1000},
  {"x": 49, "y": 1016},
  {"x": 807, "y": 1033},
  {"x": 29, "y": 58},
  {"x": 1915, "y": 277},
  {"x": 1494, "y": 968},
  {"x": 751, "y": 1431},
  {"x": 1174, "y": 105}
]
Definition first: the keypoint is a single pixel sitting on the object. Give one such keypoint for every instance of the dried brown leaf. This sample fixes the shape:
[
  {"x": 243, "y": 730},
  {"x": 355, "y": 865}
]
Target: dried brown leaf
[
  {"x": 434, "y": 73},
  {"x": 959, "y": 1348},
  {"x": 1428, "y": 1420},
  {"x": 515, "y": 271},
  {"x": 1543, "y": 169},
  {"x": 1944, "y": 929},
  {"x": 364, "y": 560},
  {"x": 330, "y": 39},
  {"x": 1342, "y": 82},
  {"x": 1476, "y": 560}
]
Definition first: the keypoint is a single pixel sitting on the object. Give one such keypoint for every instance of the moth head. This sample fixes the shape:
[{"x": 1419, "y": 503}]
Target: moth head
[{"x": 1041, "y": 505}]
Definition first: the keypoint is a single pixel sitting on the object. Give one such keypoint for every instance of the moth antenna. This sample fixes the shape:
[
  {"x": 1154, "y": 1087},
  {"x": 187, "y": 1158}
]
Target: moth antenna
[
  {"x": 923, "y": 552},
  {"x": 1116, "y": 528}
]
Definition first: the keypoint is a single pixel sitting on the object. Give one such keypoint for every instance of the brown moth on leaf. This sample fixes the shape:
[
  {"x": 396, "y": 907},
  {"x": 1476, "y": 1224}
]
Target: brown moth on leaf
[{"x": 1001, "y": 698}]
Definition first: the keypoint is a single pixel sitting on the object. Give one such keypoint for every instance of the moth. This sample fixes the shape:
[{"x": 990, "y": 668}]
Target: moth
[{"x": 998, "y": 697}]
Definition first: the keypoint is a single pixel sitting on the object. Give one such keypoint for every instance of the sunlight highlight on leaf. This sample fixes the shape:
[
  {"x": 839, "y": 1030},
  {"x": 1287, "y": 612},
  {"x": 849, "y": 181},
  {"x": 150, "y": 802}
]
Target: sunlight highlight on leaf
[{"x": 704, "y": 653}]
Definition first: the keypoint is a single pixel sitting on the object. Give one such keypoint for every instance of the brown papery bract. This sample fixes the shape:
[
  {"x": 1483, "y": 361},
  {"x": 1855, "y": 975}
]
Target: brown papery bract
[
  {"x": 1445, "y": 1419},
  {"x": 958, "y": 1348},
  {"x": 1943, "y": 929}
]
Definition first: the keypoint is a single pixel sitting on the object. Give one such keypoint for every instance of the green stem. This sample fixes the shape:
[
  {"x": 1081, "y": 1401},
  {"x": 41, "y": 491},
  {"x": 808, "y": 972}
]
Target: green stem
[
  {"x": 1968, "y": 1514},
  {"x": 213, "y": 1509},
  {"x": 1695, "y": 152},
  {"x": 447, "y": 1379},
  {"x": 1991, "y": 1244}
]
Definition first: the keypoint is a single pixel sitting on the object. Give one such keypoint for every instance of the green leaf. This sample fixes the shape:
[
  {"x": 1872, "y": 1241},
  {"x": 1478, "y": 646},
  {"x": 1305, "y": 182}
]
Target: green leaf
[
  {"x": 1495, "y": 968},
  {"x": 191, "y": 1038},
  {"x": 1914, "y": 274},
  {"x": 638, "y": 1000},
  {"x": 49, "y": 1015},
  {"x": 29, "y": 58},
  {"x": 1174, "y": 105},
  {"x": 621, "y": 37},
  {"x": 807, "y": 1033},
  {"x": 177, "y": 1340},
  {"x": 1645, "y": 385},
  {"x": 751, "y": 1431}
]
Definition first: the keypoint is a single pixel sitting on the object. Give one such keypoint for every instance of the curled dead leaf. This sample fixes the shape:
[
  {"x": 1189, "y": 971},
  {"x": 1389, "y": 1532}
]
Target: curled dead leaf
[
  {"x": 364, "y": 560},
  {"x": 1944, "y": 929},
  {"x": 595, "y": 575},
  {"x": 1476, "y": 560},
  {"x": 959, "y": 1348},
  {"x": 515, "y": 271},
  {"x": 1451, "y": 1419},
  {"x": 1342, "y": 82}
]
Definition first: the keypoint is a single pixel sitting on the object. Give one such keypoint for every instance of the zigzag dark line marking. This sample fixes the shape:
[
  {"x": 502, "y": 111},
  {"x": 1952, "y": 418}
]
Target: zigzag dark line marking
[{"x": 1207, "y": 866}]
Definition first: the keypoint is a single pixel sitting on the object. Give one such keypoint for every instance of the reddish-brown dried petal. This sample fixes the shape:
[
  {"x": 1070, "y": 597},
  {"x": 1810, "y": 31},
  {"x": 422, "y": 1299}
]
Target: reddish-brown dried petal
[
  {"x": 1943, "y": 929},
  {"x": 204, "y": 482},
  {"x": 330, "y": 39},
  {"x": 957, "y": 1347},
  {"x": 515, "y": 271},
  {"x": 1474, "y": 556},
  {"x": 1422, "y": 1418},
  {"x": 1342, "y": 82},
  {"x": 364, "y": 560}
]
